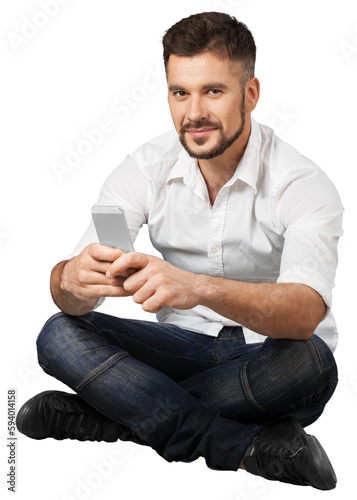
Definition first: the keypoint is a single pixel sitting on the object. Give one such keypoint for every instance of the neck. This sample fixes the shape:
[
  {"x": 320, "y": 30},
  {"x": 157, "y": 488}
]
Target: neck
[{"x": 219, "y": 170}]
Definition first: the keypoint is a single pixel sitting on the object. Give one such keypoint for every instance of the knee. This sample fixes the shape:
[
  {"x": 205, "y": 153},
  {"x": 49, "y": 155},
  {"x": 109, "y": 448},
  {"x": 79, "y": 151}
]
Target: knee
[
  {"x": 286, "y": 371},
  {"x": 307, "y": 358},
  {"x": 50, "y": 341}
]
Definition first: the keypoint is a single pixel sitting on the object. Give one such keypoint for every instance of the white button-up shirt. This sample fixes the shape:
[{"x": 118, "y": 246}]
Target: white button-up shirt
[{"x": 278, "y": 219}]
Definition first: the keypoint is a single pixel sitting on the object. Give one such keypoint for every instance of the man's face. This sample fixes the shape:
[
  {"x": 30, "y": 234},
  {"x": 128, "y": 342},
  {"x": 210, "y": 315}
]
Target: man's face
[{"x": 207, "y": 103}]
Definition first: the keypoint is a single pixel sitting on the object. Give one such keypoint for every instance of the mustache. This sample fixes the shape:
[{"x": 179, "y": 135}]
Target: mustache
[{"x": 194, "y": 125}]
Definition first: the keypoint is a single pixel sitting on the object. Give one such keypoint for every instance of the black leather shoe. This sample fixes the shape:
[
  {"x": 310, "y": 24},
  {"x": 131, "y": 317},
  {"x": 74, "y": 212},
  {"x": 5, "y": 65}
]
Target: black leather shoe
[
  {"x": 284, "y": 452},
  {"x": 60, "y": 415}
]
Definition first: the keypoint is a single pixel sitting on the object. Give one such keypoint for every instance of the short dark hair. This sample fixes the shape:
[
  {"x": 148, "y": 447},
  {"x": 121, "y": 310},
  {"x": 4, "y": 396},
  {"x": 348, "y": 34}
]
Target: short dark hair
[{"x": 213, "y": 32}]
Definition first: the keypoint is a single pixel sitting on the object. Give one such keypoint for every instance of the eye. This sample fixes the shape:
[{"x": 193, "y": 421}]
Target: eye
[
  {"x": 215, "y": 91},
  {"x": 180, "y": 93}
]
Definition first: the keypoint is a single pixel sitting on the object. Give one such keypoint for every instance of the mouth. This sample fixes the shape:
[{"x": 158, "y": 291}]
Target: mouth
[{"x": 202, "y": 132}]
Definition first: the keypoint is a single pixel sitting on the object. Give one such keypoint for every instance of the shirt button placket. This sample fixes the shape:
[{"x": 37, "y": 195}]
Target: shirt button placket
[{"x": 215, "y": 235}]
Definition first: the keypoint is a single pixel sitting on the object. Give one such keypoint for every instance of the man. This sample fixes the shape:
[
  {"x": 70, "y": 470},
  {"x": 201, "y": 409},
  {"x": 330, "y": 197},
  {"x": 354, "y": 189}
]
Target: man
[{"x": 241, "y": 358}]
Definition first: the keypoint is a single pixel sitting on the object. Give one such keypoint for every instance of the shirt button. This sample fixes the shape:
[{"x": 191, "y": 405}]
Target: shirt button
[{"x": 214, "y": 250}]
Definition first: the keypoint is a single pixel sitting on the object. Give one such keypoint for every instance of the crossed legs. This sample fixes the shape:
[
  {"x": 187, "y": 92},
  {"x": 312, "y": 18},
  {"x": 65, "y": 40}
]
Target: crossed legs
[{"x": 183, "y": 393}]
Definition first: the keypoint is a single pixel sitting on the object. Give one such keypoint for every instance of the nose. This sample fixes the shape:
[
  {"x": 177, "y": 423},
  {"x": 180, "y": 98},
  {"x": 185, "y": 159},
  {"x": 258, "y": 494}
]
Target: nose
[{"x": 196, "y": 109}]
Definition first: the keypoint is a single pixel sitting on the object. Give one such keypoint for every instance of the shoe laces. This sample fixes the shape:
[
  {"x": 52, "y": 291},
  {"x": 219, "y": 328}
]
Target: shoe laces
[
  {"x": 71, "y": 420},
  {"x": 279, "y": 463}
]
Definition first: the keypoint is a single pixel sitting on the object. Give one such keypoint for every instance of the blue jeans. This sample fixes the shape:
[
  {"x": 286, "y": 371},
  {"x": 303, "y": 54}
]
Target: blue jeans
[{"x": 187, "y": 394}]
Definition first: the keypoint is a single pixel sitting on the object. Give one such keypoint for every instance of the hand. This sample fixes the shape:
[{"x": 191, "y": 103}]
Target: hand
[
  {"x": 85, "y": 275},
  {"x": 157, "y": 283}
]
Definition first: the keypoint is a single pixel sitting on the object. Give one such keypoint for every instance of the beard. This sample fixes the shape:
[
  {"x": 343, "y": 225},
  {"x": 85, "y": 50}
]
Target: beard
[{"x": 223, "y": 141}]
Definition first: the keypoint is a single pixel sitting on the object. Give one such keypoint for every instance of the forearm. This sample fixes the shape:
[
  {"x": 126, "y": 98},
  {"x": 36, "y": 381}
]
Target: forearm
[
  {"x": 286, "y": 310},
  {"x": 64, "y": 299}
]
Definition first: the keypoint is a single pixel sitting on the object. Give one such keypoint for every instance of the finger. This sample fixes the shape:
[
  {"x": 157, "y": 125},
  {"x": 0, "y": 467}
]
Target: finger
[
  {"x": 102, "y": 267},
  {"x": 134, "y": 282},
  {"x": 99, "y": 266},
  {"x": 143, "y": 293},
  {"x": 127, "y": 272},
  {"x": 104, "y": 253},
  {"x": 105, "y": 291},
  {"x": 153, "y": 304},
  {"x": 127, "y": 261},
  {"x": 96, "y": 278}
]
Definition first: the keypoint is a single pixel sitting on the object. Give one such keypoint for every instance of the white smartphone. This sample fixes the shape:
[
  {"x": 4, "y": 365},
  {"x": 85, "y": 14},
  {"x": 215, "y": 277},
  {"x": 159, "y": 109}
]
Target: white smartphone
[{"x": 111, "y": 226}]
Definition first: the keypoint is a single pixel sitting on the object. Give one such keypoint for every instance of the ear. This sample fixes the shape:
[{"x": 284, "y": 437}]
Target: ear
[{"x": 252, "y": 93}]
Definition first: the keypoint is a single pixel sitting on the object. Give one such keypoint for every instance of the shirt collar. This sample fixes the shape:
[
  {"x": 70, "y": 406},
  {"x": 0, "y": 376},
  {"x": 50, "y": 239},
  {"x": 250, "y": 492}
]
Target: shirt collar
[
  {"x": 247, "y": 170},
  {"x": 185, "y": 168}
]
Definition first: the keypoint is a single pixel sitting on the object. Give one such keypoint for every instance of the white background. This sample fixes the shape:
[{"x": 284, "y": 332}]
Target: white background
[{"x": 62, "y": 78}]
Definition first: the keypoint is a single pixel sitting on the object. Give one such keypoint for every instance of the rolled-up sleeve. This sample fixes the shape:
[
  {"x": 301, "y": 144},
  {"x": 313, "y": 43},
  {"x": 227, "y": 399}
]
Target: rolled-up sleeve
[{"x": 309, "y": 212}]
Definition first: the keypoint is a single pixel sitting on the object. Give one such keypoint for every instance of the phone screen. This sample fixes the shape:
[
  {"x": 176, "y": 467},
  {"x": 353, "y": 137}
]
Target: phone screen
[{"x": 112, "y": 228}]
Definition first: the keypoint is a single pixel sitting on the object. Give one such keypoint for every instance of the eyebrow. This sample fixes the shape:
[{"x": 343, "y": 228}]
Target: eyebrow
[{"x": 214, "y": 85}]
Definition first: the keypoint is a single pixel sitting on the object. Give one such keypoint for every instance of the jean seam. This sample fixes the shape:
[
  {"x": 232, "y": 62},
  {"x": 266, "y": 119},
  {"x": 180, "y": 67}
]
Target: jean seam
[
  {"x": 233, "y": 338},
  {"x": 316, "y": 354},
  {"x": 331, "y": 382},
  {"x": 216, "y": 346},
  {"x": 302, "y": 403},
  {"x": 156, "y": 350},
  {"x": 101, "y": 369},
  {"x": 49, "y": 320},
  {"x": 217, "y": 342},
  {"x": 91, "y": 323},
  {"x": 248, "y": 393}
]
